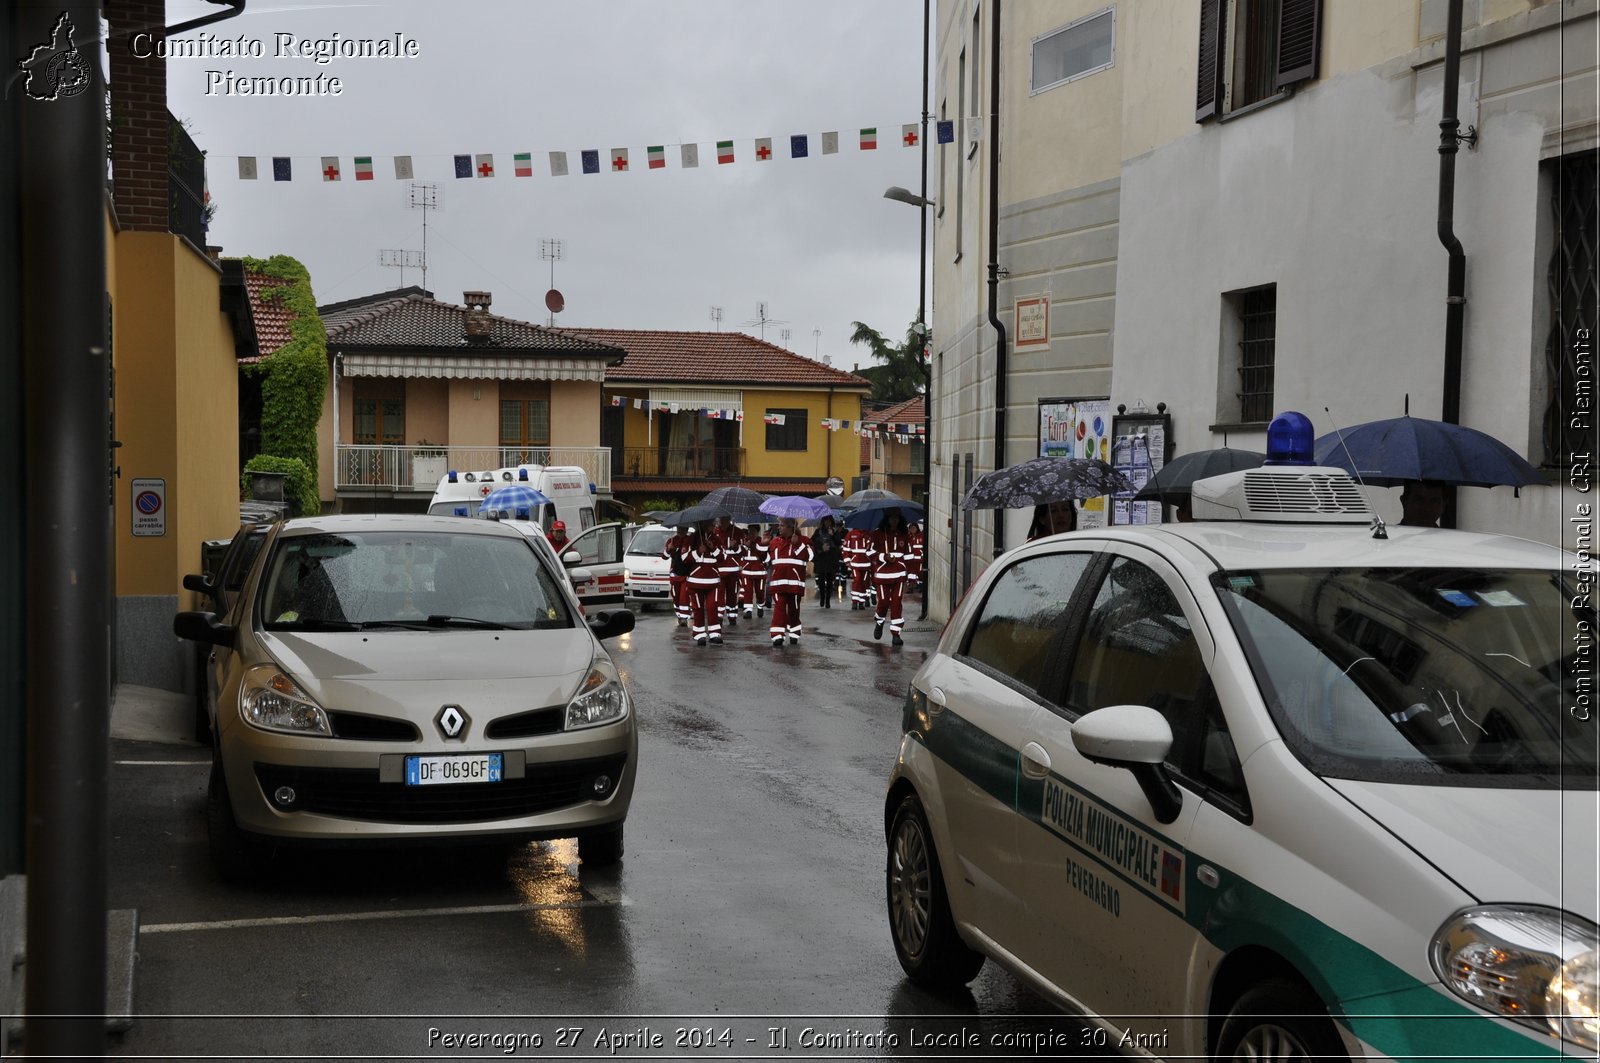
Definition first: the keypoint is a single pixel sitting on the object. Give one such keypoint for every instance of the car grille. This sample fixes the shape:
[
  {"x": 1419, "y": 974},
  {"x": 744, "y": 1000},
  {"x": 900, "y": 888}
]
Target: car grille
[
  {"x": 370, "y": 728},
  {"x": 355, "y": 793},
  {"x": 545, "y": 721}
]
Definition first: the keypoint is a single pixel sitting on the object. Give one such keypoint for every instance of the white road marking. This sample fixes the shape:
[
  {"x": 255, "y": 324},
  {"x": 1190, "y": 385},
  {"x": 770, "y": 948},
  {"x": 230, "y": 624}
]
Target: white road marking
[
  {"x": 357, "y": 917},
  {"x": 164, "y": 763}
]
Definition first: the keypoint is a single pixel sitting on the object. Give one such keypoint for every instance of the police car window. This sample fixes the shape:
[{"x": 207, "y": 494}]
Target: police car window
[
  {"x": 1427, "y": 675},
  {"x": 1137, "y": 649},
  {"x": 1018, "y": 624}
]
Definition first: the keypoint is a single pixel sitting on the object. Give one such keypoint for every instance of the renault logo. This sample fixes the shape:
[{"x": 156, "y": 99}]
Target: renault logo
[{"x": 452, "y": 722}]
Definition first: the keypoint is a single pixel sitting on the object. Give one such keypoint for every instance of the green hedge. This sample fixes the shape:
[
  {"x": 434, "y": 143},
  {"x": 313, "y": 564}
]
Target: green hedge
[
  {"x": 299, "y": 484},
  {"x": 295, "y": 379}
]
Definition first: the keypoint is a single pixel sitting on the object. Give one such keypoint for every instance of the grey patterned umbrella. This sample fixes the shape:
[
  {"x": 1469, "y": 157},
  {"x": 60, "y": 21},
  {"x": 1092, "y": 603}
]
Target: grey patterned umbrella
[
  {"x": 1041, "y": 480},
  {"x": 869, "y": 494},
  {"x": 742, "y": 504}
]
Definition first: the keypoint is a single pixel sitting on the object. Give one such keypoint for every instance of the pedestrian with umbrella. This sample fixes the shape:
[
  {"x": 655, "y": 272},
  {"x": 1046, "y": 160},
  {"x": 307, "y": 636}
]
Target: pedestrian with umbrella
[
  {"x": 1042, "y": 481},
  {"x": 825, "y": 548},
  {"x": 1173, "y": 484},
  {"x": 1421, "y": 504},
  {"x": 1053, "y": 518},
  {"x": 730, "y": 544},
  {"x": 889, "y": 547},
  {"x": 790, "y": 552}
]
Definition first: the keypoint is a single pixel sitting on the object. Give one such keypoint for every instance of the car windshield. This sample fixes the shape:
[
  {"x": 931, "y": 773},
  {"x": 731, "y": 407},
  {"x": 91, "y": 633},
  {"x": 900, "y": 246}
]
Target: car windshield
[
  {"x": 1455, "y": 677},
  {"x": 649, "y": 541},
  {"x": 425, "y": 580}
]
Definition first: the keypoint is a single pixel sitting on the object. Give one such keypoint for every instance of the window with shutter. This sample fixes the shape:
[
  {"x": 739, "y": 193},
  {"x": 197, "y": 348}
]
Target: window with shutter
[
  {"x": 1299, "y": 41},
  {"x": 1253, "y": 50},
  {"x": 1208, "y": 91}
]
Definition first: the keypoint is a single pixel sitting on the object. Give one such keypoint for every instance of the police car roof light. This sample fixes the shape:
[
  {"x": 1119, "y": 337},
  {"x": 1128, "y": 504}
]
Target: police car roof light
[
  {"x": 452, "y": 478},
  {"x": 592, "y": 491},
  {"x": 461, "y": 511},
  {"x": 522, "y": 474},
  {"x": 1291, "y": 440},
  {"x": 522, "y": 513}
]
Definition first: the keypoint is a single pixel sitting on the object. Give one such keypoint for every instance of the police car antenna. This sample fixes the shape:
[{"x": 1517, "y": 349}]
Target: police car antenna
[{"x": 1378, "y": 529}]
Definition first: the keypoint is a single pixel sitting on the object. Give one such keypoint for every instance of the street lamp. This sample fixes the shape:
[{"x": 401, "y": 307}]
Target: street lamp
[{"x": 905, "y": 195}]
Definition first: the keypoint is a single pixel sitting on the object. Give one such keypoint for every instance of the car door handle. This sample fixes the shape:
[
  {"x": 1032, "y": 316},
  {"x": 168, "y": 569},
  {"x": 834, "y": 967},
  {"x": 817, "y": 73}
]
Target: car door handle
[
  {"x": 1035, "y": 761},
  {"x": 936, "y": 701}
]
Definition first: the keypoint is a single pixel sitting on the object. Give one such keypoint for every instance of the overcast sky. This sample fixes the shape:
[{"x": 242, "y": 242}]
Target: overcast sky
[{"x": 812, "y": 238}]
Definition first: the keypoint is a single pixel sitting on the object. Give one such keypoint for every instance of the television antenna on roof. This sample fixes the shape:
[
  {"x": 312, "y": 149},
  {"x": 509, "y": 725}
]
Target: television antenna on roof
[
  {"x": 716, "y": 315},
  {"x": 424, "y": 198},
  {"x": 394, "y": 258},
  {"x": 762, "y": 320}
]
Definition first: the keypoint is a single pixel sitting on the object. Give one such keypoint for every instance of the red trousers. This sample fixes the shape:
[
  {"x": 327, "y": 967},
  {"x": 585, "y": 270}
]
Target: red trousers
[{"x": 786, "y": 613}]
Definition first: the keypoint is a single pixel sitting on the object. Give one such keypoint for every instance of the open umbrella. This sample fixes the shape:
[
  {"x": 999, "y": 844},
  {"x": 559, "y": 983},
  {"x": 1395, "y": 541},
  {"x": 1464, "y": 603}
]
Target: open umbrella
[
  {"x": 516, "y": 499},
  {"x": 869, "y": 494},
  {"x": 1389, "y": 452},
  {"x": 703, "y": 511},
  {"x": 1175, "y": 481},
  {"x": 869, "y": 515},
  {"x": 660, "y": 516},
  {"x": 1041, "y": 480},
  {"x": 742, "y": 504},
  {"x": 831, "y": 500},
  {"x": 798, "y": 507}
]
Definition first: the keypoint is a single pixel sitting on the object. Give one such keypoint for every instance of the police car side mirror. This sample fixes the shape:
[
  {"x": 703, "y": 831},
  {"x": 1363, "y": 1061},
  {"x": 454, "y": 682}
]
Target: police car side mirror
[
  {"x": 610, "y": 624},
  {"x": 203, "y": 627},
  {"x": 1137, "y": 738}
]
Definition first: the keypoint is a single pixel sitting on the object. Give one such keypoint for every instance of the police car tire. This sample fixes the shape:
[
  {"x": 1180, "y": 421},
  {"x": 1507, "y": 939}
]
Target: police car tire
[
  {"x": 941, "y": 960},
  {"x": 234, "y": 853},
  {"x": 1279, "y": 1019},
  {"x": 601, "y": 847}
]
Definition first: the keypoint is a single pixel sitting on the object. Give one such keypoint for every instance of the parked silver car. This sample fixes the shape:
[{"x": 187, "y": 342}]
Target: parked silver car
[{"x": 397, "y": 677}]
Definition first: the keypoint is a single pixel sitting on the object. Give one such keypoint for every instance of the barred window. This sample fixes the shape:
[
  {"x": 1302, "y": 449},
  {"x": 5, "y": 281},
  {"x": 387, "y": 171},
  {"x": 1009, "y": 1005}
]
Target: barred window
[
  {"x": 791, "y": 434},
  {"x": 1574, "y": 182},
  {"x": 1248, "y": 355}
]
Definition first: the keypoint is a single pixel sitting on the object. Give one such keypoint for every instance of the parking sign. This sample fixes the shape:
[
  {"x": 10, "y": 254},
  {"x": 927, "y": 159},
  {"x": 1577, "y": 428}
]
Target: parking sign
[{"x": 149, "y": 509}]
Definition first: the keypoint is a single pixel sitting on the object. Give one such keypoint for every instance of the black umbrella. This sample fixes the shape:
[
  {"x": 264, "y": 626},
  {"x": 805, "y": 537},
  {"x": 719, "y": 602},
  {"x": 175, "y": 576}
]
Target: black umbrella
[
  {"x": 869, "y": 494},
  {"x": 697, "y": 513},
  {"x": 1042, "y": 480},
  {"x": 1175, "y": 481},
  {"x": 742, "y": 504},
  {"x": 869, "y": 514},
  {"x": 833, "y": 501},
  {"x": 1390, "y": 452},
  {"x": 661, "y": 516}
]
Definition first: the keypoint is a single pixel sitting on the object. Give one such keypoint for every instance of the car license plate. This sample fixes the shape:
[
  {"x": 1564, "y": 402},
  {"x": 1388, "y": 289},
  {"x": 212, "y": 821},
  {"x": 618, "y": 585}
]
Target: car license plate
[{"x": 463, "y": 768}]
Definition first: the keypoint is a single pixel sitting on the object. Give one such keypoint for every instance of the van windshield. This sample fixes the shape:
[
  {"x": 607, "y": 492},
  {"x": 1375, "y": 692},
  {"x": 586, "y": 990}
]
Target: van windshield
[{"x": 1444, "y": 676}]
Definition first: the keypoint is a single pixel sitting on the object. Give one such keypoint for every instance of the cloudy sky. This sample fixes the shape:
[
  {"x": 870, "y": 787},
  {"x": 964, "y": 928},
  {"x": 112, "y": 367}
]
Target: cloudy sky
[{"x": 812, "y": 238}]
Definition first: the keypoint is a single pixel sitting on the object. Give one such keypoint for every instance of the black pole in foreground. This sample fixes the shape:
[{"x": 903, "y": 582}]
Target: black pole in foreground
[
  {"x": 61, "y": 189},
  {"x": 922, "y": 323},
  {"x": 1456, "y": 281}
]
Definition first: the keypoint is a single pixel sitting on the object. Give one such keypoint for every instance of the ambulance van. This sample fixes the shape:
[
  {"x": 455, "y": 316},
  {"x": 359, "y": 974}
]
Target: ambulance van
[{"x": 571, "y": 495}]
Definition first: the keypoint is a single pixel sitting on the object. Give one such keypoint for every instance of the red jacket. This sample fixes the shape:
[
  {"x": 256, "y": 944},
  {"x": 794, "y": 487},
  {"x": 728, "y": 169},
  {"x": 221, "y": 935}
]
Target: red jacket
[{"x": 789, "y": 557}]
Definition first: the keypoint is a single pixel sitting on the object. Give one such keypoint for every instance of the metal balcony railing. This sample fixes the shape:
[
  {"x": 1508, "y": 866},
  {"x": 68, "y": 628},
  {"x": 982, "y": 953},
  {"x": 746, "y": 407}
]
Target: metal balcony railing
[
  {"x": 186, "y": 185},
  {"x": 669, "y": 462},
  {"x": 359, "y": 467}
]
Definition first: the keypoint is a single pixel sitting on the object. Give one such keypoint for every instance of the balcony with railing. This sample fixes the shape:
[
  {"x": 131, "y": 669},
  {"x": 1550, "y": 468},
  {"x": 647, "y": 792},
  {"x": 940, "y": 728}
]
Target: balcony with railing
[
  {"x": 186, "y": 185},
  {"x": 680, "y": 462},
  {"x": 359, "y": 468}
]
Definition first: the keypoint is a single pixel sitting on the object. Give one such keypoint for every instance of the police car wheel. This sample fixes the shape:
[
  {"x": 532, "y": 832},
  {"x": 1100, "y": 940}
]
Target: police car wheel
[
  {"x": 1276, "y": 1022},
  {"x": 925, "y": 939}
]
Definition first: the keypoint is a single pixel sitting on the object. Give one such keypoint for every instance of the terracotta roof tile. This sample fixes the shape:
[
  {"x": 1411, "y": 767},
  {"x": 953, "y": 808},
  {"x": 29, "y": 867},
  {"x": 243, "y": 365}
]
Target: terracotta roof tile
[
  {"x": 911, "y": 411},
  {"x": 271, "y": 317},
  {"x": 413, "y": 321},
  {"x": 662, "y": 357}
]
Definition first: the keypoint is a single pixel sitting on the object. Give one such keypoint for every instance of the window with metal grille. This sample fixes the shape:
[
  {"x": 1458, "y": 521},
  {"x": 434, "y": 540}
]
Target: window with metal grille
[
  {"x": 1574, "y": 306},
  {"x": 1247, "y": 355},
  {"x": 1076, "y": 49},
  {"x": 1251, "y": 50}
]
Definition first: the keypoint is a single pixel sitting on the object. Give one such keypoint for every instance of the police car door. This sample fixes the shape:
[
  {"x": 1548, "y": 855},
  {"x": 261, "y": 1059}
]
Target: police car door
[
  {"x": 1106, "y": 879},
  {"x": 601, "y": 547},
  {"x": 981, "y": 700}
]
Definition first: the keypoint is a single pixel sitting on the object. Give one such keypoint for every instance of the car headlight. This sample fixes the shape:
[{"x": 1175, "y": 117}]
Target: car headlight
[
  {"x": 601, "y": 699},
  {"x": 627, "y": 573},
  {"x": 1530, "y": 963},
  {"x": 272, "y": 701}
]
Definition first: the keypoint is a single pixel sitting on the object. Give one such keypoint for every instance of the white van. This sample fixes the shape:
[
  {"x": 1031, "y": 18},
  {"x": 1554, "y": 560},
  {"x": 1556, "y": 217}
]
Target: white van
[{"x": 571, "y": 495}]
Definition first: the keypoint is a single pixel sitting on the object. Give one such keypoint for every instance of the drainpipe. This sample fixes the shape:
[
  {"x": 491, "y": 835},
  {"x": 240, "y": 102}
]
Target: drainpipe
[
  {"x": 1455, "y": 298},
  {"x": 336, "y": 356},
  {"x": 994, "y": 265},
  {"x": 925, "y": 355}
]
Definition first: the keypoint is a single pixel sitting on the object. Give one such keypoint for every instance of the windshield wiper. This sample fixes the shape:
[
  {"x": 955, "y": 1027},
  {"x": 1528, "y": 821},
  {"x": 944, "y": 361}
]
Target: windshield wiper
[{"x": 442, "y": 620}]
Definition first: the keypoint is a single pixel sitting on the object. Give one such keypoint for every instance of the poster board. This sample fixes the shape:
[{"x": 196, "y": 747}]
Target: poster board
[
  {"x": 1139, "y": 448},
  {"x": 1078, "y": 428}
]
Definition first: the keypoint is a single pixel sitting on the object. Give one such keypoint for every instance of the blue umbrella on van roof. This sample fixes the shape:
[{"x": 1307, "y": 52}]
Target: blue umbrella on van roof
[{"x": 513, "y": 500}]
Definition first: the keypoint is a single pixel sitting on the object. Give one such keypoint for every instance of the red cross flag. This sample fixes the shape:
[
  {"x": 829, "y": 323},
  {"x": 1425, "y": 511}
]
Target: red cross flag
[
  {"x": 908, "y": 134},
  {"x": 330, "y": 167},
  {"x": 763, "y": 149},
  {"x": 485, "y": 165},
  {"x": 619, "y": 159}
]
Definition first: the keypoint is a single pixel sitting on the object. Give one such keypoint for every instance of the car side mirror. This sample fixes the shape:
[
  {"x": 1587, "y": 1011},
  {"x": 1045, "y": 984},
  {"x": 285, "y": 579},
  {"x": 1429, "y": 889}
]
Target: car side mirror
[
  {"x": 200, "y": 583},
  {"x": 1137, "y": 738},
  {"x": 607, "y": 625},
  {"x": 572, "y": 557},
  {"x": 203, "y": 627}
]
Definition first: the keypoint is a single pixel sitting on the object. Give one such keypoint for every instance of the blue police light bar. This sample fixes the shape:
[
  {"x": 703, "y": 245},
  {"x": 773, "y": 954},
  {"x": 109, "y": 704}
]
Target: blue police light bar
[
  {"x": 522, "y": 513},
  {"x": 522, "y": 474},
  {"x": 461, "y": 511},
  {"x": 1291, "y": 440},
  {"x": 592, "y": 491},
  {"x": 452, "y": 476}
]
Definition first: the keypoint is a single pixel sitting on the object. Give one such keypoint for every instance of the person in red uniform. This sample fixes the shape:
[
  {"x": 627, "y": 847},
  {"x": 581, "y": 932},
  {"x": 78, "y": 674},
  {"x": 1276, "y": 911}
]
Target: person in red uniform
[
  {"x": 676, "y": 553},
  {"x": 754, "y": 583},
  {"x": 730, "y": 542},
  {"x": 705, "y": 588},
  {"x": 787, "y": 588},
  {"x": 857, "y": 557},
  {"x": 890, "y": 547},
  {"x": 914, "y": 562},
  {"x": 558, "y": 536}
]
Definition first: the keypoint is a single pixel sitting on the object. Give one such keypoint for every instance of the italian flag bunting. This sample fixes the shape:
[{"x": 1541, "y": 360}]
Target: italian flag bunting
[
  {"x": 523, "y": 162},
  {"x": 724, "y": 151},
  {"x": 869, "y": 139},
  {"x": 656, "y": 156},
  {"x": 363, "y": 167}
]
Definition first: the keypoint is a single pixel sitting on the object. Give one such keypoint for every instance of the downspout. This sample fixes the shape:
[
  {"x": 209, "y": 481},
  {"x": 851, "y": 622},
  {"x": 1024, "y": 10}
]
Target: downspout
[
  {"x": 1456, "y": 287},
  {"x": 994, "y": 265},
  {"x": 925, "y": 355},
  {"x": 829, "y": 448},
  {"x": 337, "y": 355}
]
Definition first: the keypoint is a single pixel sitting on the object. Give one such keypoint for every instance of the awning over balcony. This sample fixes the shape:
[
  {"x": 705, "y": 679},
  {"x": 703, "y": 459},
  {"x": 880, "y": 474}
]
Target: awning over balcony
[
  {"x": 698, "y": 398},
  {"x": 462, "y": 367}
]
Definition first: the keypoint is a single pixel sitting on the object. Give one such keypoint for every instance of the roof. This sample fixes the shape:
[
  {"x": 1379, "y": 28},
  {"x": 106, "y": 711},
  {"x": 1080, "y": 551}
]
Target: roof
[
  {"x": 662, "y": 357},
  {"x": 911, "y": 411},
  {"x": 411, "y": 320},
  {"x": 271, "y": 316}
]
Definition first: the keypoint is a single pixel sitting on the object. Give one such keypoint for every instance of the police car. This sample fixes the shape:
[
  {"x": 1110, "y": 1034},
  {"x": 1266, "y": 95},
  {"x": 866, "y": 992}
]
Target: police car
[{"x": 1277, "y": 783}]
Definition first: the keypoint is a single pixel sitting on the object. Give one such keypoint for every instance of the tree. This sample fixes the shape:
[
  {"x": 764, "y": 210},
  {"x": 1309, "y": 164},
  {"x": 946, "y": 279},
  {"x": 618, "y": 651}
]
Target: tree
[{"x": 900, "y": 377}]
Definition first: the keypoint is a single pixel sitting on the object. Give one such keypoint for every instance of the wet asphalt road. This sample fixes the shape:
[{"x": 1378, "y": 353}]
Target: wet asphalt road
[{"x": 747, "y": 911}]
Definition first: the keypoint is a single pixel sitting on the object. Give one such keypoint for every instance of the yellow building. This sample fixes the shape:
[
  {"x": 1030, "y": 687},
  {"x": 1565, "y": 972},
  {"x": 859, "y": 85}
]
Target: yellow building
[{"x": 686, "y": 412}]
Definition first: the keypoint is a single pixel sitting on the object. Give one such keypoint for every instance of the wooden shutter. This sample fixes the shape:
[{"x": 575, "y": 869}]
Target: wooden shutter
[
  {"x": 1213, "y": 32},
  {"x": 1299, "y": 41}
]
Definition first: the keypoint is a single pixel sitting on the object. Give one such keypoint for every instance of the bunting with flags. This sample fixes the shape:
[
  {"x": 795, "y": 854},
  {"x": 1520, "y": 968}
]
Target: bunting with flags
[
  {"x": 945, "y": 131},
  {"x": 463, "y": 165},
  {"x": 724, "y": 151},
  {"x": 591, "y": 160},
  {"x": 330, "y": 167},
  {"x": 799, "y": 146},
  {"x": 558, "y": 164},
  {"x": 619, "y": 160},
  {"x": 281, "y": 168},
  {"x": 247, "y": 167},
  {"x": 402, "y": 167},
  {"x": 763, "y": 149},
  {"x": 522, "y": 164},
  {"x": 909, "y": 136},
  {"x": 485, "y": 166},
  {"x": 363, "y": 167},
  {"x": 690, "y": 156},
  {"x": 656, "y": 156},
  {"x": 869, "y": 139}
]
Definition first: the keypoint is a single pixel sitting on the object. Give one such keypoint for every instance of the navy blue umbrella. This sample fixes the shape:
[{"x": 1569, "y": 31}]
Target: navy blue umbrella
[
  {"x": 869, "y": 515},
  {"x": 701, "y": 512},
  {"x": 1389, "y": 452}
]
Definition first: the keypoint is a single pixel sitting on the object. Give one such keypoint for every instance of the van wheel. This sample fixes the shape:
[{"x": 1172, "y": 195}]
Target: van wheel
[
  {"x": 925, "y": 939},
  {"x": 1278, "y": 1022},
  {"x": 601, "y": 847},
  {"x": 235, "y": 854}
]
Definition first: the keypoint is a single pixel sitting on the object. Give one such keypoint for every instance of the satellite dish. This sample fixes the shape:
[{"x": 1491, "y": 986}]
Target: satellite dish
[{"x": 553, "y": 301}]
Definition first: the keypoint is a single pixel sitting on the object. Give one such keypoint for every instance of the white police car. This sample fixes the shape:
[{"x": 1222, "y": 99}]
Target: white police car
[{"x": 1277, "y": 785}]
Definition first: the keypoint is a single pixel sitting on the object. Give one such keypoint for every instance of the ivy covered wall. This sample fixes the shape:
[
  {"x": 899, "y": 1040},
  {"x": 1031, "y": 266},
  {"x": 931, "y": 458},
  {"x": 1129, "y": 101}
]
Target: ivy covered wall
[{"x": 294, "y": 379}]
